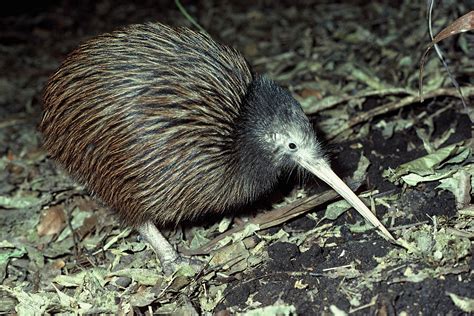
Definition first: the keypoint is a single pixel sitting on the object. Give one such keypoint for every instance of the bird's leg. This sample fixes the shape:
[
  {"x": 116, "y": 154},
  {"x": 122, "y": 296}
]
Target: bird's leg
[{"x": 168, "y": 256}]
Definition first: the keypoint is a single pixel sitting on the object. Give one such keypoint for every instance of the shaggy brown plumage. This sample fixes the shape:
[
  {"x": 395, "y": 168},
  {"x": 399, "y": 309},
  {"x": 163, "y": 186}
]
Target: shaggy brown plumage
[{"x": 147, "y": 118}]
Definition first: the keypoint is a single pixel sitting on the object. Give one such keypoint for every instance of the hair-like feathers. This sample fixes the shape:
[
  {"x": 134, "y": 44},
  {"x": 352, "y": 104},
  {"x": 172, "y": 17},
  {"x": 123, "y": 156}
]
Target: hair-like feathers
[
  {"x": 157, "y": 122},
  {"x": 144, "y": 117}
]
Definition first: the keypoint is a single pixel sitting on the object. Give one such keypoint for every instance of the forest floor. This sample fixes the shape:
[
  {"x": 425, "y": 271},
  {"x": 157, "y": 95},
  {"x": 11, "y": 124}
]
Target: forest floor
[{"x": 354, "y": 67}]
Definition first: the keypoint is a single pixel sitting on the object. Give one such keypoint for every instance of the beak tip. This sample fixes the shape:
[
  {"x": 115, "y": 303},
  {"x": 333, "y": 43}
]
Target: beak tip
[{"x": 322, "y": 170}]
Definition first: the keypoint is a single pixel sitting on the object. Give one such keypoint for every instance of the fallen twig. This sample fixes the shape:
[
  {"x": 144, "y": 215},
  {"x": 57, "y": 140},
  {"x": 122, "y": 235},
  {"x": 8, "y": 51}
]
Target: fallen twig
[
  {"x": 395, "y": 105},
  {"x": 271, "y": 218}
]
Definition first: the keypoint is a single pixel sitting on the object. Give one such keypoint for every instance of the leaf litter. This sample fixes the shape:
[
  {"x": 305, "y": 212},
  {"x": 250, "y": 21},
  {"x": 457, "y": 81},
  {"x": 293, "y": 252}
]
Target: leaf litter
[{"x": 355, "y": 72}]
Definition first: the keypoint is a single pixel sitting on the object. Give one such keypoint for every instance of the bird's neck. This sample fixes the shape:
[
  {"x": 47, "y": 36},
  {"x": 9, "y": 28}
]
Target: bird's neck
[
  {"x": 249, "y": 176},
  {"x": 254, "y": 170}
]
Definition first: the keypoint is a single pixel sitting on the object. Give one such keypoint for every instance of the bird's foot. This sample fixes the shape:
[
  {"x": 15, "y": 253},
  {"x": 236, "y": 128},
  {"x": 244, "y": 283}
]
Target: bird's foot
[
  {"x": 169, "y": 267},
  {"x": 169, "y": 258}
]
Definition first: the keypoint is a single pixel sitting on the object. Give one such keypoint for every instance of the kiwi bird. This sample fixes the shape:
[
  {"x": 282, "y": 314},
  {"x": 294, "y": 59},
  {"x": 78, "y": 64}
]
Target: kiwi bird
[{"x": 164, "y": 124}]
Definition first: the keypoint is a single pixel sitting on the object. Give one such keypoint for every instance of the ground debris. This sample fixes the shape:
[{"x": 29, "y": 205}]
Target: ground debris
[{"x": 354, "y": 68}]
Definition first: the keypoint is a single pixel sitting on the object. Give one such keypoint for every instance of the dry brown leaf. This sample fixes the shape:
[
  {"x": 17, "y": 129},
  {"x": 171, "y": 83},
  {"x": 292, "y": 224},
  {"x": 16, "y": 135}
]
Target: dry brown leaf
[
  {"x": 460, "y": 25},
  {"x": 58, "y": 264},
  {"x": 10, "y": 155},
  {"x": 52, "y": 221},
  {"x": 463, "y": 24},
  {"x": 306, "y": 93},
  {"x": 89, "y": 224}
]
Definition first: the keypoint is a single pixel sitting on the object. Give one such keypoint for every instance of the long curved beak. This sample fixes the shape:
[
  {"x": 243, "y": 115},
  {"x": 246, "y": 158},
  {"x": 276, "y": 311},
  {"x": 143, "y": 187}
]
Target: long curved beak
[{"x": 321, "y": 169}]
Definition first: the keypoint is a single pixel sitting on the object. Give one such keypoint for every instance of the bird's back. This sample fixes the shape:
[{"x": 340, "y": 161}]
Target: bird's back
[{"x": 145, "y": 118}]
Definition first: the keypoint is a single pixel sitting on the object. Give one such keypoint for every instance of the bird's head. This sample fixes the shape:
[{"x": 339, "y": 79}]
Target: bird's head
[
  {"x": 274, "y": 124},
  {"x": 277, "y": 137}
]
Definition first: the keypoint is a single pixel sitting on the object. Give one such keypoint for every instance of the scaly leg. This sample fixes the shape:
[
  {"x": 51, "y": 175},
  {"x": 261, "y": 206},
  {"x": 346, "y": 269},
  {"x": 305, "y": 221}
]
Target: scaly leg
[{"x": 167, "y": 255}]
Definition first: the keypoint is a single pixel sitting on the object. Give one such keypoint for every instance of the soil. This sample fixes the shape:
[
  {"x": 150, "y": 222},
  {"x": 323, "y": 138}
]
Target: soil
[{"x": 317, "y": 274}]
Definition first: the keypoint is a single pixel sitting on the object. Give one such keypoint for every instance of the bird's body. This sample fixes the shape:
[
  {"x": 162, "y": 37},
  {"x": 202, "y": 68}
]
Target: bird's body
[
  {"x": 148, "y": 118},
  {"x": 165, "y": 124}
]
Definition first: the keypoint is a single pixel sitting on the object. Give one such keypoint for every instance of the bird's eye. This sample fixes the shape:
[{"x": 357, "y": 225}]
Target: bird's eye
[{"x": 292, "y": 146}]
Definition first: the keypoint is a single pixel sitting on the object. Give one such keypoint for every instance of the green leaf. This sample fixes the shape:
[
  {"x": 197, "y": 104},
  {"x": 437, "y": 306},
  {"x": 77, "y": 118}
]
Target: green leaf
[
  {"x": 413, "y": 179},
  {"x": 30, "y": 303},
  {"x": 362, "y": 166},
  {"x": 6, "y": 255},
  {"x": 199, "y": 239},
  {"x": 334, "y": 210},
  {"x": 213, "y": 297},
  {"x": 285, "y": 310},
  {"x": 249, "y": 230},
  {"x": 142, "y": 276},
  {"x": 15, "y": 202},
  {"x": 464, "y": 303},
  {"x": 426, "y": 165},
  {"x": 459, "y": 184}
]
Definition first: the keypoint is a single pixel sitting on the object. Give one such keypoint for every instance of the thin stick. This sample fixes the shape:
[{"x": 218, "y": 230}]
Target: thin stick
[
  {"x": 271, "y": 218},
  {"x": 361, "y": 95},
  {"x": 189, "y": 17},
  {"x": 440, "y": 55},
  {"x": 395, "y": 105}
]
